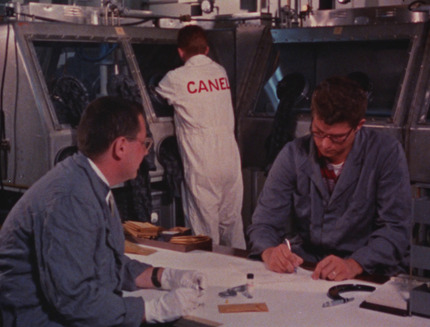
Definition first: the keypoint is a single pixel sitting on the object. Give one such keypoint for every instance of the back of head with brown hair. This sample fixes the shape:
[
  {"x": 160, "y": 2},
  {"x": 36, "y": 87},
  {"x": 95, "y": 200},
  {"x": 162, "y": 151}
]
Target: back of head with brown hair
[
  {"x": 192, "y": 40},
  {"x": 339, "y": 99}
]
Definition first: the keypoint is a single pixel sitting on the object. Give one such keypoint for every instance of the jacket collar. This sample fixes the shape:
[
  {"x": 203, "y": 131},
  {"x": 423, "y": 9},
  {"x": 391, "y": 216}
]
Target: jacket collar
[
  {"x": 115, "y": 238},
  {"x": 98, "y": 184},
  {"x": 197, "y": 60},
  {"x": 350, "y": 172}
]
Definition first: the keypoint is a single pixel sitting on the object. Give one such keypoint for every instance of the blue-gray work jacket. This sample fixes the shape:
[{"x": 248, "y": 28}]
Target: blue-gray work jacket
[
  {"x": 367, "y": 217},
  {"x": 62, "y": 259}
]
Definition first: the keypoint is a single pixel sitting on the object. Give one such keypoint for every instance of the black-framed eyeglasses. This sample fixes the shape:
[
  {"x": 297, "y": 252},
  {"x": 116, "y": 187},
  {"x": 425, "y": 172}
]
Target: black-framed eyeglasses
[{"x": 335, "y": 138}]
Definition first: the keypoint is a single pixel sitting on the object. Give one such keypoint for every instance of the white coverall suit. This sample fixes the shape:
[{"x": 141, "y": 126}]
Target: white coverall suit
[{"x": 204, "y": 120}]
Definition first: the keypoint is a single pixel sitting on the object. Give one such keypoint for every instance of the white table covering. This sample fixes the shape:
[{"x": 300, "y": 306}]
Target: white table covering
[{"x": 293, "y": 299}]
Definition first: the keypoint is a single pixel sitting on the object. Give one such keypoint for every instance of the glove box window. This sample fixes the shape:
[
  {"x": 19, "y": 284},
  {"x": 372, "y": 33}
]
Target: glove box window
[
  {"x": 378, "y": 65},
  {"x": 78, "y": 72},
  {"x": 154, "y": 61}
]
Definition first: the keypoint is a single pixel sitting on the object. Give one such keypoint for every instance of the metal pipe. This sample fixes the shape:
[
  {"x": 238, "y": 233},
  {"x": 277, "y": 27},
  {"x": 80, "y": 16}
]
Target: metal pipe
[
  {"x": 165, "y": 2},
  {"x": 279, "y": 9}
]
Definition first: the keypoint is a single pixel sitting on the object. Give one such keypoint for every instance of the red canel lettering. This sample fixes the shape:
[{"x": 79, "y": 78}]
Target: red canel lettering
[
  {"x": 209, "y": 86},
  {"x": 213, "y": 85},
  {"x": 224, "y": 83},
  {"x": 189, "y": 85},
  {"x": 202, "y": 87}
]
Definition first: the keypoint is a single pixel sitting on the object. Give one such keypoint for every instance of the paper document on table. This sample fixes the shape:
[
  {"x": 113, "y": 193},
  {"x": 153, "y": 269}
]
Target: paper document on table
[
  {"x": 391, "y": 297},
  {"x": 264, "y": 276}
]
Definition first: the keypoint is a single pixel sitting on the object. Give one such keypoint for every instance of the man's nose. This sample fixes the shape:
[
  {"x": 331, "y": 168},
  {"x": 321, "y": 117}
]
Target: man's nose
[{"x": 326, "y": 142}]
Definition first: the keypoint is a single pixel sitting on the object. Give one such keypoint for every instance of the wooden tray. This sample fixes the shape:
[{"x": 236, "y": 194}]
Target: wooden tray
[{"x": 206, "y": 245}]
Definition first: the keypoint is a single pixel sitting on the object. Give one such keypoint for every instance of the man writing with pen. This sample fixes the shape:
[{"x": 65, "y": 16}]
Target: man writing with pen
[{"x": 342, "y": 193}]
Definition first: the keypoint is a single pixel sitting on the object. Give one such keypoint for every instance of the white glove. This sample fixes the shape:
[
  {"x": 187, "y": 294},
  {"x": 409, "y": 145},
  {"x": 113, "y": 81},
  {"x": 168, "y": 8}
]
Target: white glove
[
  {"x": 176, "y": 278},
  {"x": 172, "y": 306}
]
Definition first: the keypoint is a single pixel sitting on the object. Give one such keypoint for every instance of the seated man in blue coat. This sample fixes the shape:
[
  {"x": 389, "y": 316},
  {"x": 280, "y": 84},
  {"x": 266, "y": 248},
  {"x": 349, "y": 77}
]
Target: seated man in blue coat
[
  {"x": 339, "y": 197},
  {"x": 62, "y": 259}
]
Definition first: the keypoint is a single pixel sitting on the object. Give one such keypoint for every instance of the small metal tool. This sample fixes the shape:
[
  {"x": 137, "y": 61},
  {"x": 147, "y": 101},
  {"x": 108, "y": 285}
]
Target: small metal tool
[
  {"x": 233, "y": 291},
  {"x": 336, "y": 302}
]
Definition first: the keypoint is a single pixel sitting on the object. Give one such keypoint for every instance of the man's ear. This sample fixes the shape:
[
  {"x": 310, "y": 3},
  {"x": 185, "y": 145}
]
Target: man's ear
[
  {"x": 207, "y": 50},
  {"x": 119, "y": 147},
  {"x": 181, "y": 54},
  {"x": 360, "y": 124}
]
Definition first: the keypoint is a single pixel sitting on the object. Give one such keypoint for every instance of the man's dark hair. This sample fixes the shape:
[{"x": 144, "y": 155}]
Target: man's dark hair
[
  {"x": 104, "y": 120},
  {"x": 192, "y": 40},
  {"x": 339, "y": 99}
]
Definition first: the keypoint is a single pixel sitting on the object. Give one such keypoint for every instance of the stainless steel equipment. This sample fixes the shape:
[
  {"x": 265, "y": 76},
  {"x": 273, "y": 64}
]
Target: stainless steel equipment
[
  {"x": 55, "y": 68},
  {"x": 52, "y": 70},
  {"x": 391, "y": 53},
  {"x": 390, "y": 57}
]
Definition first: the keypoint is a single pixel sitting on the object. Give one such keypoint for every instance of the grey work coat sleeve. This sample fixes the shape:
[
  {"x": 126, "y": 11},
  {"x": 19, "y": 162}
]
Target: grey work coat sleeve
[
  {"x": 272, "y": 216},
  {"x": 73, "y": 245}
]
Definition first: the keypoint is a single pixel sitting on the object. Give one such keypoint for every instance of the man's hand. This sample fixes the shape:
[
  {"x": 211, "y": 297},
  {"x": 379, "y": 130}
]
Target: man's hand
[
  {"x": 337, "y": 269},
  {"x": 172, "y": 305},
  {"x": 177, "y": 278},
  {"x": 281, "y": 259}
]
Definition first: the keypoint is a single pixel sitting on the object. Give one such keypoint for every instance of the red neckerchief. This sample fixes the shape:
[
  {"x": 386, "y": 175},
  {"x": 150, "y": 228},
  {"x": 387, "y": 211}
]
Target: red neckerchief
[{"x": 327, "y": 174}]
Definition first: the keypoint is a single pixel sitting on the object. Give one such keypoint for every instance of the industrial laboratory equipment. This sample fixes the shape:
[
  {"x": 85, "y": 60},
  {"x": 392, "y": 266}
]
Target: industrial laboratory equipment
[
  {"x": 52, "y": 70},
  {"x": 384, "y": 49}
]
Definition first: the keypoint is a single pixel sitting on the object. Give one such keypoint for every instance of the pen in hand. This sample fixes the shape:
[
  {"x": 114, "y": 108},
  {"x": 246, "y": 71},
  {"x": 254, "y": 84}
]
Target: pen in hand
[{"x": 287, "y": 242}]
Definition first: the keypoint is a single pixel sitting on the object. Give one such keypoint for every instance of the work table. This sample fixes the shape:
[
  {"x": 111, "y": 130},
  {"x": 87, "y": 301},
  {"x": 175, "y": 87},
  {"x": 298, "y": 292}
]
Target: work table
[{"x": 292, "y": 299}]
